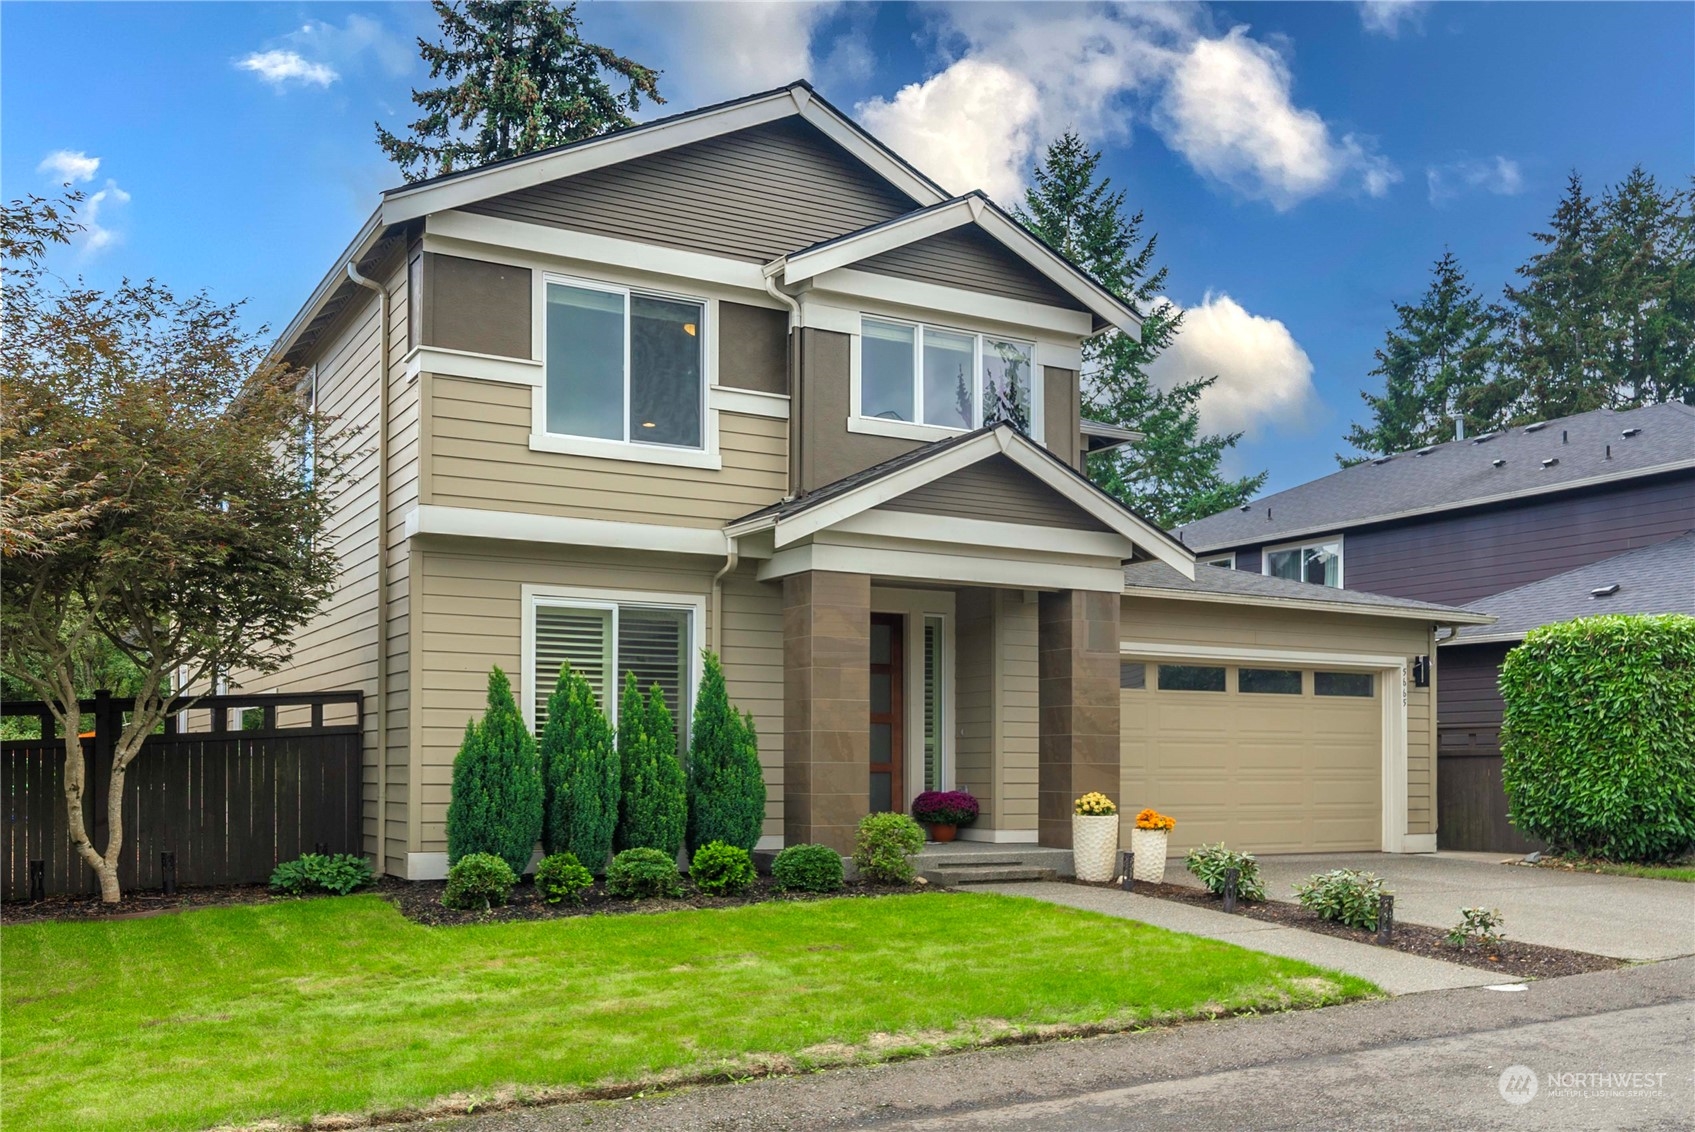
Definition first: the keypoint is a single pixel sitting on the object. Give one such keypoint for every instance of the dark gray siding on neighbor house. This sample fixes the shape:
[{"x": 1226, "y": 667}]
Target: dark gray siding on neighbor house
[
  {"x": 998, "y": 490},
  {"x": 969, "y": 258},
  {"x": 1457, "y": 558},
  {"x": 754, "y": 194}
]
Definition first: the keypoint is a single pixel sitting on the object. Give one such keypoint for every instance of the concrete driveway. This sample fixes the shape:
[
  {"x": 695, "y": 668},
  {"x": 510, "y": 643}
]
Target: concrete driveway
[{"x": 1621, "y": 917}]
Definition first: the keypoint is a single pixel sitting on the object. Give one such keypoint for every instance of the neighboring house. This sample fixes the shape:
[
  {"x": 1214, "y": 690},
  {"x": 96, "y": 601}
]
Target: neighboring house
[
  {"x": 743, "y": 380},
  {"x": 1507, "y": 523}
]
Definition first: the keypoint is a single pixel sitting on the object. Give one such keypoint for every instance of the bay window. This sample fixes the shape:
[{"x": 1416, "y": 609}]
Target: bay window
[
  {"x": 928, "y": 375},
  {"x": 1319, "y": 563}
]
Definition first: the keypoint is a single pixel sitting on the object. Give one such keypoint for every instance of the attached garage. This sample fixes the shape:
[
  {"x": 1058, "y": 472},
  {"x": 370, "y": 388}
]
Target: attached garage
[{"x": 1270, "y": 758}]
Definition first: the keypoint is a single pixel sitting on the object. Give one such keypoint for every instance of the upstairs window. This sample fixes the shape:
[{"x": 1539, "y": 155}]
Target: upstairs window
[
  {"x": 625, "y": 365},
  {"x": 927, "y": 375},
  {"x": 1317, "y": 562}
]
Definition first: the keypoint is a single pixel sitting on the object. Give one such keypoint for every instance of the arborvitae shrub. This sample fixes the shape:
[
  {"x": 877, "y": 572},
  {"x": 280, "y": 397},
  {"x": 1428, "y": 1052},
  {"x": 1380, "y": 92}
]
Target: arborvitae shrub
[
  {"x": 726, "y": 786},
  {"x": 581, "y": 767},
  {"x": 652, "y": 803},
  {"x": 497, "y": 784}
]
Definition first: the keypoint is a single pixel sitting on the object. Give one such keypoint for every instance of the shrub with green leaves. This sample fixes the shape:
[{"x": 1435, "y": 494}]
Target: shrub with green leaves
[
  {"x": 808, "y": 868},
  {"x": 642, "y": 874},
  {"x": 497, "y": 784},
  {"x": 726, "y": 785},
  {"x": 478, "y": 881},
  {"x": 1480, "y": 924},
  {"x": 316, "y": 872},
  {"x": 561, "y": 878},
  {"x": 1347, "y": 896},
  {"x": 1208, "y": 863},
  {"x": 884, "y": 847},
  {"x": 718, "y": 869},
  {"x": 653, "y": 804},
  {"x": 1598, "y": 736},
  {"x": 581, "y": 773}
]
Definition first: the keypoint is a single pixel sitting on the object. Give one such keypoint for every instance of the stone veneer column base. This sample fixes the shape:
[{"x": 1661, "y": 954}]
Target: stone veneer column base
[
  {"x": 1078, "y": 676},
  {"x": 826, "y": 707}
]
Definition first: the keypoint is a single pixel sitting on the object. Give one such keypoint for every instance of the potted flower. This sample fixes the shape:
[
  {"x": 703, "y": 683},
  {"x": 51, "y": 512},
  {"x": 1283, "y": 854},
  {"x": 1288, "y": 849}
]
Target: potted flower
[
  {"x": 944, "y": 811},
  {"x": 1094, "y": 837},
  {"x": 1147, "y": 842}
]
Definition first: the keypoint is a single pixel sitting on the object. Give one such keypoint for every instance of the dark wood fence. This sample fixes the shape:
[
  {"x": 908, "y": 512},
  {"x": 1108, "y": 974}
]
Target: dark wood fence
[
  {"x": 229, "y": 803},
  {"x": 1471, "y": 804}
]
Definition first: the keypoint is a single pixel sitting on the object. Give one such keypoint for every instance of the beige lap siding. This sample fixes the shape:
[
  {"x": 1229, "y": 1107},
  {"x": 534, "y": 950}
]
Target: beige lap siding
[
  {"x": 1267, "y": 627},
  {"x": 480, "y": 457},
  {"x": 995, "y": 689},
  {"x": 471, "y": 618}
]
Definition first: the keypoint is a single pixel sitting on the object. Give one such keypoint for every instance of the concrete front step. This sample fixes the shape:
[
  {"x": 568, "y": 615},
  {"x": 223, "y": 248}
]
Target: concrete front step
[{"x": 1010, "y": 872}]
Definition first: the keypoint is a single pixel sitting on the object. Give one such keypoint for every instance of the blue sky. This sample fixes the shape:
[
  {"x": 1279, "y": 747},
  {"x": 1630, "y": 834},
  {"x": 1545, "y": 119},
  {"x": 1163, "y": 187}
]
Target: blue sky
[{"x": 1303, "y": 164}]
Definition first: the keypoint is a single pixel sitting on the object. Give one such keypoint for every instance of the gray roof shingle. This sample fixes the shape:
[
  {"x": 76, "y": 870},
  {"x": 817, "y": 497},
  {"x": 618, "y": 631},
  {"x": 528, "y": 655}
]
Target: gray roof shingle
[
  {"x": 1245, "y": 584},
  {"x": 1650, "y": 579},
  {"x": 1461, "y": 473}
]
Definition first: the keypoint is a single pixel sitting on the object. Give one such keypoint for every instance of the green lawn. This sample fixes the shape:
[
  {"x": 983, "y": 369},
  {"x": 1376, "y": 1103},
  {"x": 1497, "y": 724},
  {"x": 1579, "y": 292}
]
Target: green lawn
[
  {"x": 1685, "y": 873},
  {"x": 293, "y": 1009}
]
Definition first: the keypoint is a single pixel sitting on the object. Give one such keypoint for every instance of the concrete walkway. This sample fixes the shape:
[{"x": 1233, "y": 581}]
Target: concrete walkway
[{"x": 1394, "y": 971}]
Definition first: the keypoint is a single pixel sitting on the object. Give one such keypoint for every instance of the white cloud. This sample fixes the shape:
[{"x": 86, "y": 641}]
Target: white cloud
[
  {"x": 735, "y": 49},
  {"x": 280, "y": 68},
  {"x": 973, "y": 126},
  {"x": 1387, "y": 17},
  {"x": 1498, "y": 175},
  {"x": 347, "y": 45},
  {"x": 95, "y": 235},
  {"x": 69, "y": 166},
  {"x": 1264, "y": 377},
  {"x": 1229, "y": 111}
]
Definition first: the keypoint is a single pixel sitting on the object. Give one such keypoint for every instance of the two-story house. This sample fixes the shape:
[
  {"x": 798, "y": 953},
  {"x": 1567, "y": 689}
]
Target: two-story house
[
  {"x": 744, "y": 380},
  {"x": 1534, "y": 525}
]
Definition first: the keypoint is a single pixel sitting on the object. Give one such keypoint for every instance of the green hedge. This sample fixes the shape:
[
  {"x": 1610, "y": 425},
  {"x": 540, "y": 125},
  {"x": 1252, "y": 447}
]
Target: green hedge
[{"x": 1598, "y": 740}]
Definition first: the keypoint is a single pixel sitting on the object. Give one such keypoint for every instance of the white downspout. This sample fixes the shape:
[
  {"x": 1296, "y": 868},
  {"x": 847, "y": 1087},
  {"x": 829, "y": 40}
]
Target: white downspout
[
  {"x": 790, "y": 353},
  {"x": 382, "y": 559},
  {"x": 732, "y": 555}
]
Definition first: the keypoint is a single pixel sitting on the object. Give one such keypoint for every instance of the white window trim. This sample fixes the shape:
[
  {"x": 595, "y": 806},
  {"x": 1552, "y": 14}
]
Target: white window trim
[
  {"x": 913, "y": 430},
  {"x": 1228, "y": 561},
  {"x": 534, "y": 596},
  {"x": 541, "y": 440},
  {"x": 1265, "y": 553}
]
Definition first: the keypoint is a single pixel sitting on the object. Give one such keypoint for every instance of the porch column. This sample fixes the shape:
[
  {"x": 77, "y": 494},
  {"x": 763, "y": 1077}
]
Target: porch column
[
  {"x": 826, "y": 707},
  {"x": 1078, "y": 672}
]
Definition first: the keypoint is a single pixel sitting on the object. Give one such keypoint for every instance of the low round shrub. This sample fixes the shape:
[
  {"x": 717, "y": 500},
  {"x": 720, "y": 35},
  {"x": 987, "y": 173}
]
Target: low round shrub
[
  {"x": 945, "y": 807},
  {"x": 478, "y": 880},
  {"x": 1598, "y": 735},
  {"x": 718, "y": 869},
  {"x": 316, "y": 872},
  {"x": 1208, "y": 863},
  {"x": 643, "y": 873},
  {"x": 562, "y": 878},
  {"x": 1347, "y": 896},
  {"x": 808, "y": 868},
  {"x": 884, "y": 847}
]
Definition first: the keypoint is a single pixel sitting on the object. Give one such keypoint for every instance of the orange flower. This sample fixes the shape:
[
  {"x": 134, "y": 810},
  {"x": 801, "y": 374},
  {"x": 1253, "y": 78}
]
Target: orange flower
[{"x": 1153, "y": 819}]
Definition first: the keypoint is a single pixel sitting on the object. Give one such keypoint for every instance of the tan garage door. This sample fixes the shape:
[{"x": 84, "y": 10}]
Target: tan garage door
[{"x": 1267, "y": 759}]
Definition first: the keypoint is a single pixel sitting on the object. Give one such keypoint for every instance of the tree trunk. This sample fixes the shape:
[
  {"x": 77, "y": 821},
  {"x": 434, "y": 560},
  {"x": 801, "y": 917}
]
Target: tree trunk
[
  {"x": 107, "y": 869},
  {"x": 76, "y": 778}
]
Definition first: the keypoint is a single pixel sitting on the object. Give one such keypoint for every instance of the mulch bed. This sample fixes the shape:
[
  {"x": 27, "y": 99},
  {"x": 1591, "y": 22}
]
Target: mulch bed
[
  {"x": 1511, "y": 958},
  {"x": 419, "y": 901}
]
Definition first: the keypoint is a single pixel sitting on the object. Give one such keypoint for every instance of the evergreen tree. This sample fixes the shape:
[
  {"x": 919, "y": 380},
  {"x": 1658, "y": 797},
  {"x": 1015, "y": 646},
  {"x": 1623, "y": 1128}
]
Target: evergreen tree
[
  {"x": 497, "y": 784},
  {"x": 726, "y": 785},
  {"x": 520, "y": 78},
  {"x": 653, "y": 802},
  {"x": 1438, "y": 360},
  {"x": 1173, "y": 474},
  {"x": 1645, "y": 260},
  {"x": 582, "y": 773}
]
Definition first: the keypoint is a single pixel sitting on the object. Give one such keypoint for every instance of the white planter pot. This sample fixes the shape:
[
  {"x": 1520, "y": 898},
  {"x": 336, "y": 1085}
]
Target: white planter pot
[
  {"x": 1094, "y": 845},
  {"x": 1149, "y": 847}
]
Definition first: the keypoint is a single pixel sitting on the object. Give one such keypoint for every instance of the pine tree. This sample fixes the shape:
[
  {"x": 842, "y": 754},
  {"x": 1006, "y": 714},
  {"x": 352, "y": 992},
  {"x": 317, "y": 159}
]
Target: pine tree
[
  {"x": 1438, "y": 360},
  {"x": 726, "y": 786},
  {"x": 497, "y": 784},
  {"x": 653, "y": 803},
  {"x": 1645, "y": 260},
  {"x": 582, "y": 773},
  {"x": 520, "y": 78},
  {"x": 1173, "y": 474}
]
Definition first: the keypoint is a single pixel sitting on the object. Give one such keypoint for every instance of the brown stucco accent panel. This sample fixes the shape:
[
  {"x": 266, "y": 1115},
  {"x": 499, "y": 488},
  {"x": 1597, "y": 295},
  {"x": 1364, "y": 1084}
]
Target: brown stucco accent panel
[
  {"x": 477, "y": 306},
  {"x": 822, "y": 449},
  {"x": 1000, "y": 490},
  {"x": 1060, "y": 416},
  {"x": 1077, "y": 662},
  {"x": 753, "y": 348},
  {"x": 826, "y": 707},
  {"x": 970, "y": 258}
]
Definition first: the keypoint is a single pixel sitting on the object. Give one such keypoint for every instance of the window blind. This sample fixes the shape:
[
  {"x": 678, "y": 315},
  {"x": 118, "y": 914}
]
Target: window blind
[
  {"x": 580, "y": 637},
  {"x": 654, "y": 644}
]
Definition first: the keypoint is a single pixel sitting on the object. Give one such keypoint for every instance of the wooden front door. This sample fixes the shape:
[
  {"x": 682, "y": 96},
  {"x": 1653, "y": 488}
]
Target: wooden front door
[{"x": 888, "y": 741}]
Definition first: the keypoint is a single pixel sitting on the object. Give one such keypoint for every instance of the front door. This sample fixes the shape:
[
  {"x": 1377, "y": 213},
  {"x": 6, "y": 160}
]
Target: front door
[{"x": 888, "y": 790}]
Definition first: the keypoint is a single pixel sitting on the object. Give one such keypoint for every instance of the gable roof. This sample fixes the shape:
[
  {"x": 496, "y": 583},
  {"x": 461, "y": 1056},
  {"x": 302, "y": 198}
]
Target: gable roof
[
  {"x": 1649, "y": 579},
  {"x": 797, "y": 518},
  {"x": 1552, "y": 456},
  {"x": 973, "y": 209},
  {"x": 1218, "y": 583}
]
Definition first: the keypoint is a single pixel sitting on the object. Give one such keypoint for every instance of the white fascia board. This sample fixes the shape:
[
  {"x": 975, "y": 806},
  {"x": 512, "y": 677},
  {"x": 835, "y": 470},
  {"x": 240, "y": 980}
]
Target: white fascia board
[
  {"x": 983, "y": 532},
  {"x": 954, "y": 569},
  {"x": 867, "y": 290},
  {"x": 585, "y": 247},
  {"x": 1060, "y": 273},
  {"x": 1429, "y": 616},
  {"x": 850, "y": 137},
  {"x": 801, "y": 266},
  {"x": 1483, "y": 639},
  {"x": 473, "y": 522},
  {"x": 355, "y": 251}
]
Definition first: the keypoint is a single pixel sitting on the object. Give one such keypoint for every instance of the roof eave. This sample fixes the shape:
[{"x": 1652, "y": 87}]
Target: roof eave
[
  {"x": 1438, "y": 617},
  {"x": 360, "y": 246}
]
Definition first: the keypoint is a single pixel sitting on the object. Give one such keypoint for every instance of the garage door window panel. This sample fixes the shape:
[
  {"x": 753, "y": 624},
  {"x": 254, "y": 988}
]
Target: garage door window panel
[
  {"x": 1269, "y": 681},
  {"x": 1190, "y": 678},
  {"x": 1356, "y": 684}
]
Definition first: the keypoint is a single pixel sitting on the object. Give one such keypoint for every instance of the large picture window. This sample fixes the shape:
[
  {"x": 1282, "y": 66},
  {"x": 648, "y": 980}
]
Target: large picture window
[
  {"x": 603, "y": 641},
  {"x": 1317, "y": 562},
  {"x": 624, "y": 365},
  {"x": 928, "y": 375}
]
